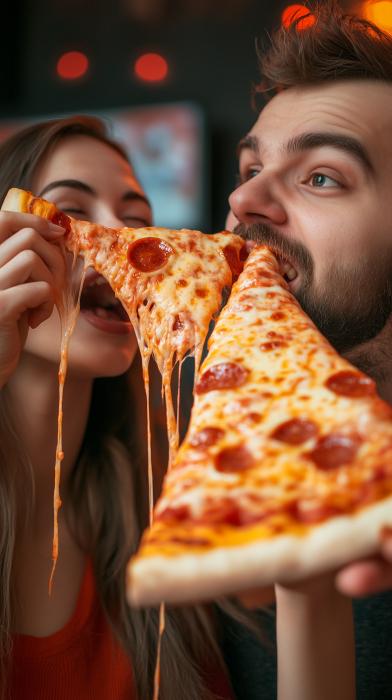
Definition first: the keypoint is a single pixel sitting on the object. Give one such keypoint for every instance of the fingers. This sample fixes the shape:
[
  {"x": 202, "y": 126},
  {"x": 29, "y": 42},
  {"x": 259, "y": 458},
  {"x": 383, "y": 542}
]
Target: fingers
[
  {"x": 369, "y": 575},
  {"x": 29, "y": 239},
  {"x": 26, "y": 266},
  {"x": 36, "y": 296},
  {"x": 12, "y": 222},
  {"x": 365, "y": 577}
]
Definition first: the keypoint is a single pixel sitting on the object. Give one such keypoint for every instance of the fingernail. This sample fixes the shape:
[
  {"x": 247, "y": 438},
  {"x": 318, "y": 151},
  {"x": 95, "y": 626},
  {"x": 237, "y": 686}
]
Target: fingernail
[{"x": 55, "y": 228}]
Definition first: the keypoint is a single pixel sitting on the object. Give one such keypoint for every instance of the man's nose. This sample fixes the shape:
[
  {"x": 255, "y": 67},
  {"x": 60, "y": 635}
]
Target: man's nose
[{"x": 257, "y": 199}]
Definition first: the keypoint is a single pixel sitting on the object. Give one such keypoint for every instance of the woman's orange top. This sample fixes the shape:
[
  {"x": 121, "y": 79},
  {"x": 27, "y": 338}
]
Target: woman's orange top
[{"x": 81, "y": 661}]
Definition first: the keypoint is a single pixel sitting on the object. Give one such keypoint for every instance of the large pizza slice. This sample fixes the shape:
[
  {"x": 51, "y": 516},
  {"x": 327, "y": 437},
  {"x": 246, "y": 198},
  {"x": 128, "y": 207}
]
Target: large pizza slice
[
  {"x": 169, "y": 282},
  {"x": 286, "y": 469}
]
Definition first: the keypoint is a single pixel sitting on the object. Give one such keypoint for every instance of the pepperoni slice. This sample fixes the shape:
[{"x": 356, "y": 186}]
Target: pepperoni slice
[
  {"x": 233, "y": 260},
  {"x": 295, "y": 431},
  {"x": 177, "y": 325},
  {"x": 61, "y": 219},
  {"x": 332, "y": 451},
  {"x": 226, "y": 375},
  {"x": 234, "y": 459},
  {"x": 149, "y": 254},
  {"x": 316, "y": 514},
  {"x": 177, "y": 514},
  {"x": 206, "y": 437},
  {"x": 351, "y": 383}
]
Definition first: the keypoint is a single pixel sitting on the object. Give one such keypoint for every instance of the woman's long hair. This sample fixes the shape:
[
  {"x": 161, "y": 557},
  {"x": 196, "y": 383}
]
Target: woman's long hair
[{"x": 108, "y": 480}]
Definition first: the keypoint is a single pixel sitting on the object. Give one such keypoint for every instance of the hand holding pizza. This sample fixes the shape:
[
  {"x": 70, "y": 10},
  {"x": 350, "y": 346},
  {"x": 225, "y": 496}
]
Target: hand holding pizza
[
  {"x": 370, "y": 575},
  {"x": 29, "y": 265}
]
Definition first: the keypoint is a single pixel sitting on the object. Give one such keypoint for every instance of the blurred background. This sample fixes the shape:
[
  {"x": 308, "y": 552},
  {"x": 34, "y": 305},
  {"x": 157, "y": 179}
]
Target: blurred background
[{"x": 173, "y": 76}]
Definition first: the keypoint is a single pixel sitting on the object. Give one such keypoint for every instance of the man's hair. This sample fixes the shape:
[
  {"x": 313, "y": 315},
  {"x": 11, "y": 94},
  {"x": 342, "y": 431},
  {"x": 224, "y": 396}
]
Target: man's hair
[{"x": 336, "y": 46}]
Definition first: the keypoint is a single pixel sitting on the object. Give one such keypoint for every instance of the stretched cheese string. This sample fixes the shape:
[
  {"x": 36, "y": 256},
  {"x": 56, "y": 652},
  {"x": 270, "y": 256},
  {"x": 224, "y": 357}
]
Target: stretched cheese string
[
  {"x": 67, "y": 299},
  {"x": 173, "y": 430}
]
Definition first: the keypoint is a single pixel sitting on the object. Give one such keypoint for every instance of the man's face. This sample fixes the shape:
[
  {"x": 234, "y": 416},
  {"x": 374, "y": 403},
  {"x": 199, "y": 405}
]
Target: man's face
[{"x": 316, "y": 174}]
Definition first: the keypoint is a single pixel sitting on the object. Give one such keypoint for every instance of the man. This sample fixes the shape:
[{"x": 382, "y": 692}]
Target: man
[{"x": 316, "y": 185}]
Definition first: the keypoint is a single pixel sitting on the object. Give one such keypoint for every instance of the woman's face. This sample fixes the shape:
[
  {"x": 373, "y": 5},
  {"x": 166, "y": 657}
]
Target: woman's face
[{"x": 91, "y": 181}]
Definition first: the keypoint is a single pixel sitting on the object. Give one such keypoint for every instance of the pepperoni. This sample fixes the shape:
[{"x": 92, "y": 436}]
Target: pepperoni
[
  {"x": 177, "y": 325},
  {"x": 229, "y": 512},
  {"x": 232, "y": 258},
  {"x": 61, "y": 219},
  {"x": 295, "y": 431},
  {"x": 278, "y": 316},
  {"x": 201, "y": 293},
  {"x": 149, "y": 254},
  {"x": 243, "y": 253},
  {"x": 332, "y": 451},
  {"x": 266, "y": 347},
  {"x": 206, "y": 437},
  {"x": 234, "y": 459},
  {"x": 226, "y": 375},
  {"x": 313, "y": 515},
  {"x": 182, "y": 283},
  {"x": 351, "y": 383},
  {"x": 178, "y": 514}
]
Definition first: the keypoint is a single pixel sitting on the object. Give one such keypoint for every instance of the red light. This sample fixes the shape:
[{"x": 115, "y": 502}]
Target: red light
[
  {"x": 293, "y": 12},
  {"x": 151, "y": 67},
  {"x": 72, "y": 65}
]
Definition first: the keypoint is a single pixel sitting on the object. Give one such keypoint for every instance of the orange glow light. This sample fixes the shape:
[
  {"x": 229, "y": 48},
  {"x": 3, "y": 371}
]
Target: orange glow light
[
  {"x": 293, "y": 12},
  {"x": 151, "y": 67},
  {"x": 381, "y": 14},
  {"x": 72, "y": 65}
]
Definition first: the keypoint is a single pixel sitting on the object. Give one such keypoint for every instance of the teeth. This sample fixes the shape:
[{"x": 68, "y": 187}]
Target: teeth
[{"x": 288, "y": 270}]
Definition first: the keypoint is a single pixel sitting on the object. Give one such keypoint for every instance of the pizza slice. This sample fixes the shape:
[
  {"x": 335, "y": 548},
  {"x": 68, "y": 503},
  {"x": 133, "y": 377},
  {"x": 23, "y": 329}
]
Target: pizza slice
[
  {"x": 169, "y": 282},
  {"x": 286, "y": 469}
]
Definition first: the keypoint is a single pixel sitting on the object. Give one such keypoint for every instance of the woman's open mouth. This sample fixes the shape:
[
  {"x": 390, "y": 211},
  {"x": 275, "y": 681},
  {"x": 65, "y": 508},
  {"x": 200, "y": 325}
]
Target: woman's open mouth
[{"x": 100, "y": 306}]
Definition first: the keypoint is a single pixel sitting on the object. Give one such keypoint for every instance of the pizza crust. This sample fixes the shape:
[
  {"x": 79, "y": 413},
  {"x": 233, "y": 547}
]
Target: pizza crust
[{"x": 227, "y": 570}]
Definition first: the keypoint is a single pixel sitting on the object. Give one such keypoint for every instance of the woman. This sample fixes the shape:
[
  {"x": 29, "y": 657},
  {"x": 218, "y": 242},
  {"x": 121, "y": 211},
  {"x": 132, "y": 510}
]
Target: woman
[
  {"x": 73, "y": 163},
  {"x": 84, "y": 641}
]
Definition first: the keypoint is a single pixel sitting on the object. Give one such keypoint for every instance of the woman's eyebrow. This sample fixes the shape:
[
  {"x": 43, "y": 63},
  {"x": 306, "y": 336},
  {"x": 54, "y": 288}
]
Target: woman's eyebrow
[
  {"x": 131, "y": 194},
  {"x": 75, "y": 184}
]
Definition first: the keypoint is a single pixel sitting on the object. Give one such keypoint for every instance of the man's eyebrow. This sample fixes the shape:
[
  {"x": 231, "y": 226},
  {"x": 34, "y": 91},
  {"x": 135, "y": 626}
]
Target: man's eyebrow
[
  {"x": 131, "y": 194},
  {"x": 347, "y": 144},
  {"x": 251, "y": 142},
  {"x": 75, "y": 184}
]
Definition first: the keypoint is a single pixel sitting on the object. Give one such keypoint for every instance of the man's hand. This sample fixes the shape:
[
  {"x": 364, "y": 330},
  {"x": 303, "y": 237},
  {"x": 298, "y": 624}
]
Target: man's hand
[{"x": 370, "y": 575}]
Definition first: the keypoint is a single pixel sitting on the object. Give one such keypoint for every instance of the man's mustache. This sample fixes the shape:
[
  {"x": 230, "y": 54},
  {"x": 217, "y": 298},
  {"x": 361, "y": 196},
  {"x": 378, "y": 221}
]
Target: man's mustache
[{"x": 278, "y": 243}]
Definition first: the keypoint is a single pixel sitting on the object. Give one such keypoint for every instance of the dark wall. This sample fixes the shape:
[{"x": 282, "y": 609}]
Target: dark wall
[{"x": 210, "y": 48}]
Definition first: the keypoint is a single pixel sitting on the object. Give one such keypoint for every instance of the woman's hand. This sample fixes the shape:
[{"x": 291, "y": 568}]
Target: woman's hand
[{"x": 29, "y": 265}]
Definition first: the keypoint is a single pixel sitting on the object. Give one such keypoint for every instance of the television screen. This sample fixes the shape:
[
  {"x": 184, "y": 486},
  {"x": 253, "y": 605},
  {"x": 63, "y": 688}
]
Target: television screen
[{"x": 166, "y": 146}]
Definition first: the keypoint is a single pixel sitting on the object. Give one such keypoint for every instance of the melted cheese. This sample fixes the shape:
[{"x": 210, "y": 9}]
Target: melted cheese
[{"x": 251, "y": 478}]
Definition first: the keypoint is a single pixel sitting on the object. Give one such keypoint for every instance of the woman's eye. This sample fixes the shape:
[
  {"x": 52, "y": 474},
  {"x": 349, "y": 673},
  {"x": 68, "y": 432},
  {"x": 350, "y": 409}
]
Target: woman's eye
[
  {"x": 133, "y": 222},
  {"x": 251, "y": 174},
  {"x": 319, "y": 180}
]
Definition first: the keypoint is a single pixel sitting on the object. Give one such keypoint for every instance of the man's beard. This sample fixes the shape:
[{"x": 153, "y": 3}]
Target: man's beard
[{"x": 351, "y": 305}]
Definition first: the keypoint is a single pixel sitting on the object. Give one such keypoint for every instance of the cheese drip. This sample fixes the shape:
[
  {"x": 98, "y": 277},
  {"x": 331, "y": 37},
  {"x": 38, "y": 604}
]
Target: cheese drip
[
  {"x": 67, "y": 300},
  {"x": 173, "y": 433}
]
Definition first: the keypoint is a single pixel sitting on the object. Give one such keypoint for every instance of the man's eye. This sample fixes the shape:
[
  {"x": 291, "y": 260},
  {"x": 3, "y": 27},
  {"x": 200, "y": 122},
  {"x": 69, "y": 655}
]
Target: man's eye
[
  {"x": 251, "y": 174},
  {"x": 319, "y": 180}
]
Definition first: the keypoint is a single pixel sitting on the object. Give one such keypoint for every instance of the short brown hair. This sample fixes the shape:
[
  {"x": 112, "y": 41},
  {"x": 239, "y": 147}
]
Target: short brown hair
[{"x": 337, "y": 46}]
